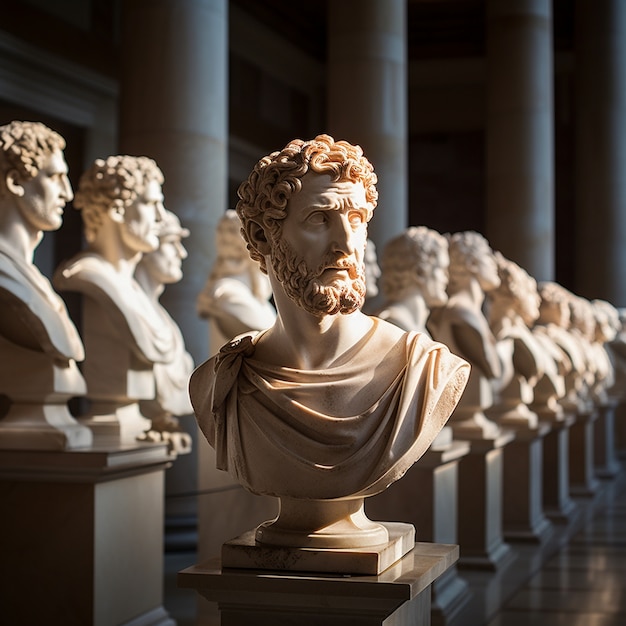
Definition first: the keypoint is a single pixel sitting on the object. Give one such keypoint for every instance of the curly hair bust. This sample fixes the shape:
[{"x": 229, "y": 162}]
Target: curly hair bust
[
  {"x": 115, "y": 182},
  {"x": 263, "y": 197},
  {"x": 409, "y": 258},
  {"x": 24, "y": 146}
]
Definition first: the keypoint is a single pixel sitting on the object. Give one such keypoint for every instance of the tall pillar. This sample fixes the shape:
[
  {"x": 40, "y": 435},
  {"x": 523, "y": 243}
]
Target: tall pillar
[
  {"x": 600, "y": 165},
  {"x": 520, "y": 128},
  {"x": 173, "y": 108},
  {"x": 368, "y": 98}
]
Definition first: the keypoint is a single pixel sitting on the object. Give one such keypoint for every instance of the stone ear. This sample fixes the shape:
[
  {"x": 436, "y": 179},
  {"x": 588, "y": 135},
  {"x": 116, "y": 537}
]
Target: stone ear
[
  {"x": 12, "y": 180},
  {"x": 116, "y": 213},
  {"x": 256, "y": 236}
]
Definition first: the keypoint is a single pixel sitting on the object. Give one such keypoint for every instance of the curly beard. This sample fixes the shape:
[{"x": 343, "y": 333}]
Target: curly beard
[{"x": 305, "y": 288}]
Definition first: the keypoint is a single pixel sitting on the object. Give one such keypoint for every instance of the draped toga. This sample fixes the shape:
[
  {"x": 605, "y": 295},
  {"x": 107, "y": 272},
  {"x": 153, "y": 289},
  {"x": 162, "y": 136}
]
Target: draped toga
[{"x": 348, "y": 430}]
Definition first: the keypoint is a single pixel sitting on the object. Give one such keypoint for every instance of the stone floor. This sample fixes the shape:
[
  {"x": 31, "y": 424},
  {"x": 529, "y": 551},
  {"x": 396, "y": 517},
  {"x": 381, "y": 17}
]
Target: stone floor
[{"x": 577, "y": 577}]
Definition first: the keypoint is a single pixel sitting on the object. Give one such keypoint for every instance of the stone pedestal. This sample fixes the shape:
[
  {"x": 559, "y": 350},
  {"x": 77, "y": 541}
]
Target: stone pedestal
[
  {"x": 480, "y": 504},
  {"x": 604, "y": 451},
  {"x": 82, "y": 536},
  {"x": 37, "y": 390},
  {"x": 397, "y": 597},
  {"x": 558, "y": 506},
  {"x": 427, "y": 497},
  {"x": 523, "y": 518},
  {"x": 583, "y": 481}
]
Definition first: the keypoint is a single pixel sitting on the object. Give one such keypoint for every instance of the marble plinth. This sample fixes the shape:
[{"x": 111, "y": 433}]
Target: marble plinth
[
  {"x": 400, "y": 596},
  {"x": 523, "y": 518},
  {"x": 82, "y": 536},
  {"x": 115, "y": 423},
  {"x": 583, "y": 481},
  {"x": 480, "y": 505},
  {"x": 605, "y": 459},
  {"x": 245, "y": 552},
  {"x": 558, "y": 505},
  {"x": 427, "y": 497},
  {"x": 37, "y": 389}
]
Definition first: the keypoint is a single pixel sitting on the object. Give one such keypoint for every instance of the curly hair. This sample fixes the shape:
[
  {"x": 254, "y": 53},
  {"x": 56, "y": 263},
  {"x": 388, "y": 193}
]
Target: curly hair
[
  {"x": 465, "y": 249},
  {"x": 607, "y": 318},
  {"x": 112, "y": 183},
  {"x": 516, "y": 283},
  {"x": 24, "y": 146},
  {"x": 263, "y": 197},
  {"x": 408, "y": 259}
]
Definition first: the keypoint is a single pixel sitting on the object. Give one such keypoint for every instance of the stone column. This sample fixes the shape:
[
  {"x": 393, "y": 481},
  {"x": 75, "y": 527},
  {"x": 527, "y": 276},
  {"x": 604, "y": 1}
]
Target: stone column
[
  {"x": 368, "y": 101},
  {"x": 600, "y": 78},
  {"x": 173, "y": 108},
  {"x": 520, "y": 143}
]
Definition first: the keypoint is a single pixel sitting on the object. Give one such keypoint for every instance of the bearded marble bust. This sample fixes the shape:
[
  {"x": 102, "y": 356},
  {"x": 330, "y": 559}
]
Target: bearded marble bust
[{"x": 328, "y": 405}]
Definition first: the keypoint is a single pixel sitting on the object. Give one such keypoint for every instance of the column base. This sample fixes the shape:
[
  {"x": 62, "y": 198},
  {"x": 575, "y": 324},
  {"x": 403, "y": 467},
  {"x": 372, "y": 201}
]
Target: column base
[{"x": 450, "y": 595}]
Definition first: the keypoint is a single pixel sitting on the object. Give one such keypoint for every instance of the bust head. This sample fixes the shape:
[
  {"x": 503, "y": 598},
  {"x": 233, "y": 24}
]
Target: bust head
[
  {"x": 580, "y": 316},
  {"x": 607, "y": 320},
  {"x": 516, "y": 294},
  {"x": 164, "y": 264},
  {"x": 34, "y": 174},
  {"x": 305, "y": 210},
  {"x": 471, "y": 257},
  {"x": 416, "y": 259},
  {"x": 128, "y": 191},
  {"x": 372, "y": 269},
  {"x": 554, "y": 304}
]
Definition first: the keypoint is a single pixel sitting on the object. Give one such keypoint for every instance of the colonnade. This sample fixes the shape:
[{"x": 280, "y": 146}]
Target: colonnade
[{"x": 174, "y": 107}]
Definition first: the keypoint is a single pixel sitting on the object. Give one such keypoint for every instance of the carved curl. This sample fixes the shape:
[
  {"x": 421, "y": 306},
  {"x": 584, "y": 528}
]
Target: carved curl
[
  {"x": 23, "y": 147},
  {"x": 263, "y": 197}
]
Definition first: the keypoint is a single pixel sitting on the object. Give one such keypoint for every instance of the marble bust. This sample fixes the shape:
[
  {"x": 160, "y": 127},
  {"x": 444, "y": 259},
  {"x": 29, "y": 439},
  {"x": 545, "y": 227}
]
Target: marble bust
[
  {"x": 462, "y": 325},
  {"x": 154, "y": 272},
  {"x": 121, "y": 204},
  {"x": 606, "y": 327},
  {"x": 582, "y": 328},
  {"x": 39, "y": 343},
  {"x": 616, "y": 348},
  {"x": 513, "y": 307},
  {"x": 236, "y": 296},
  {"x": 414, "y": 277},
  {"x": 554, "y": 322},
  {"x": 328, "y": 405}
]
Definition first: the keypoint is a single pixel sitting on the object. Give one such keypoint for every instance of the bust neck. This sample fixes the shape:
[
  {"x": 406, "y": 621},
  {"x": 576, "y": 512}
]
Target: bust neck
[{"x": 301, "y": 340}]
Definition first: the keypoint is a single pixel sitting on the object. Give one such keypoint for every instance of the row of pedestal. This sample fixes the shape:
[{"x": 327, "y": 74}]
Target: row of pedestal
[{"x": 82, "y": 532}]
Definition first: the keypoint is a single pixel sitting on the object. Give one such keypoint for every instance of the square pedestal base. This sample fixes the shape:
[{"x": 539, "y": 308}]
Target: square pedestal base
[
  {"x": 244, "y": 552},
  {"x": 400, "y": 595}
]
